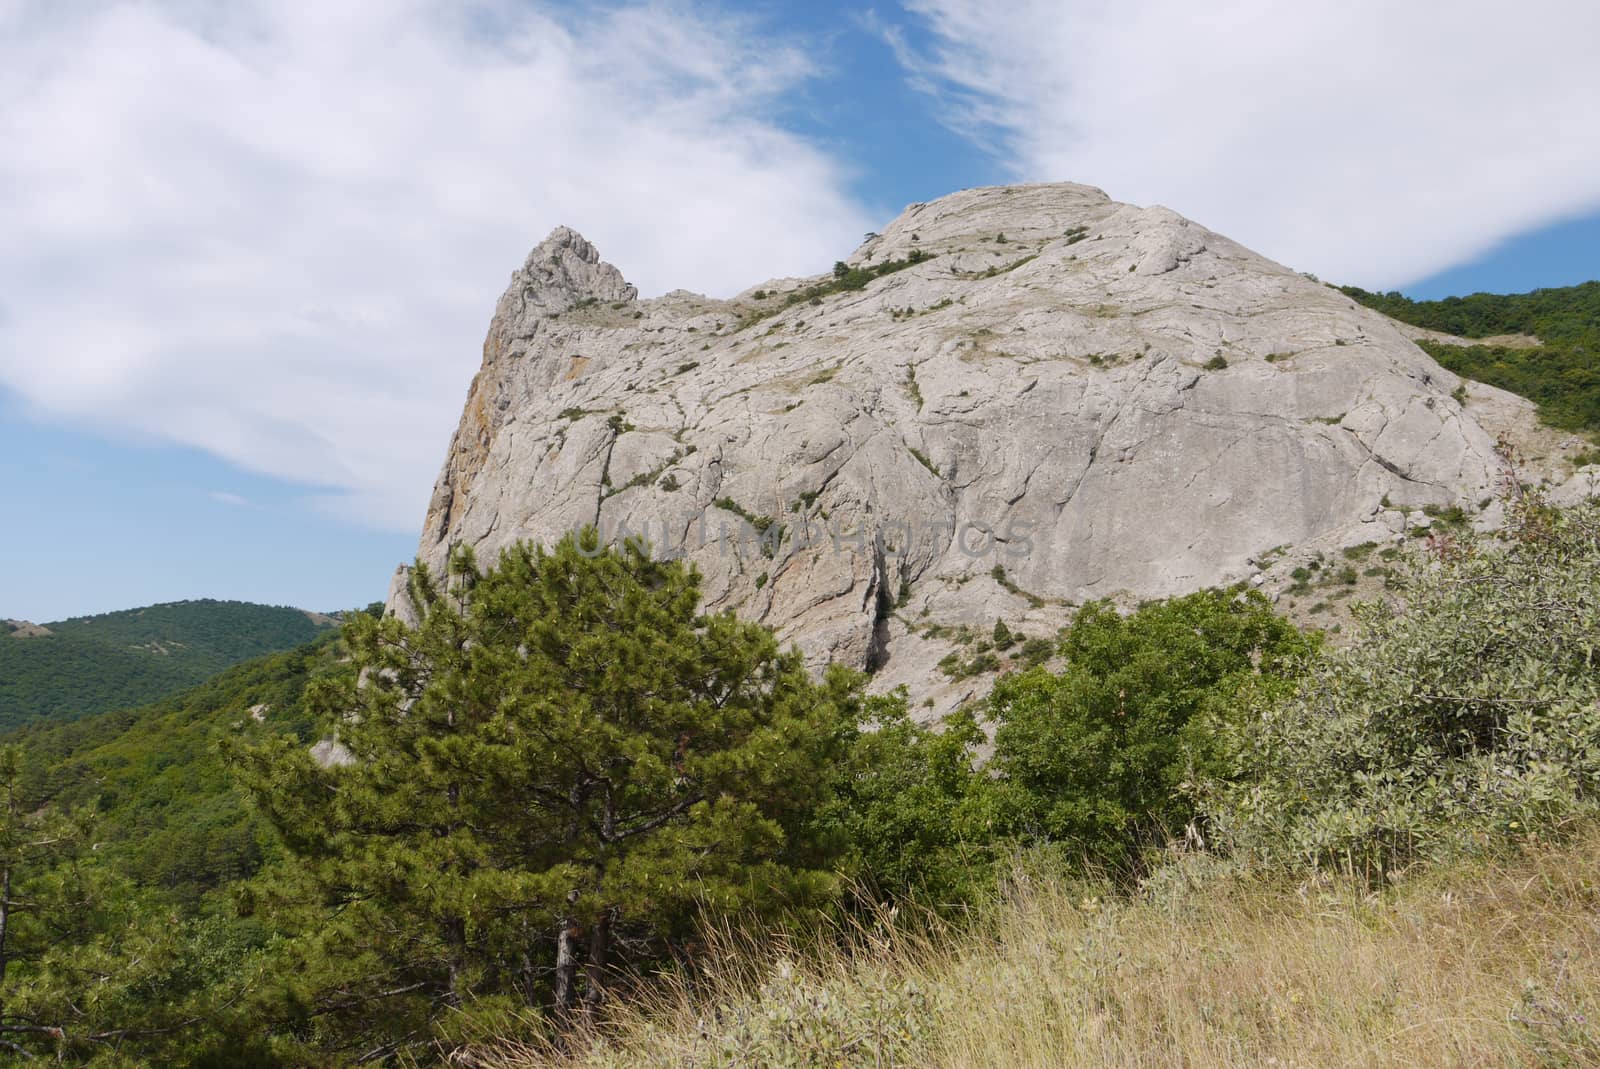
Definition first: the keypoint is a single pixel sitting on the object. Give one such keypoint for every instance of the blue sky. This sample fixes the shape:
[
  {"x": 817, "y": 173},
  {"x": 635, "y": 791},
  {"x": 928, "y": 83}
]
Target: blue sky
[{"x": 251, "y": 251}]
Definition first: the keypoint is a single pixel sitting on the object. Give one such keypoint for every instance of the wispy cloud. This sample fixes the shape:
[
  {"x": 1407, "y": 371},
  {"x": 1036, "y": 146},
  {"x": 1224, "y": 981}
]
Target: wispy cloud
[
  {"x": 1365, "y": 140},
  {"x": 276, "y": 231},
  {"x": 227, "y": 497}
]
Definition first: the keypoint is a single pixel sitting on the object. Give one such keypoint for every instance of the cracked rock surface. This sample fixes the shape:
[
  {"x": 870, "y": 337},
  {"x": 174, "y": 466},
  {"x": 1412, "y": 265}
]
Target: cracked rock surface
[{"x": 1062, "y": 398}]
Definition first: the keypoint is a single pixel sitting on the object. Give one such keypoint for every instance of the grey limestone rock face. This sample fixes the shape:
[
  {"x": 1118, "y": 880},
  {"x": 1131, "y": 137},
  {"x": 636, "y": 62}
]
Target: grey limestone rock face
[{"x": 1064, "y": 398}]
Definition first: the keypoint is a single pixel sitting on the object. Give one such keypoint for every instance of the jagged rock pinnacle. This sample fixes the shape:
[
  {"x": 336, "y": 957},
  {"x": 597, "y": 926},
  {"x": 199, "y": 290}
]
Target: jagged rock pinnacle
[{"x": 564, "y": 270}]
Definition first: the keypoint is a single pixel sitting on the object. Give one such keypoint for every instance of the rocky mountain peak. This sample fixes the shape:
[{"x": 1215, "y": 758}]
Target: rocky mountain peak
[
  {"x": 564, "y": 270},
  {"x": 1011, "y": 400}
]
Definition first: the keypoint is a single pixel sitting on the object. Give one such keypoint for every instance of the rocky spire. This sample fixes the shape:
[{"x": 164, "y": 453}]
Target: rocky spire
[{"x": 564, "y": 270}]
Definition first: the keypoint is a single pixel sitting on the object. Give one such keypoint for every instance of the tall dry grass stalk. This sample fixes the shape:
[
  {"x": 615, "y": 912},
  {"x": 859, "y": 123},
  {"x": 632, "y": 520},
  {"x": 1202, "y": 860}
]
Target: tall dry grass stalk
[{"x": 1482, "y": 964}]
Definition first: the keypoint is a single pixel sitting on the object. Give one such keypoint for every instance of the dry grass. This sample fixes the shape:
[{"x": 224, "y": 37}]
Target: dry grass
[{"x": 1475, "y": 965}]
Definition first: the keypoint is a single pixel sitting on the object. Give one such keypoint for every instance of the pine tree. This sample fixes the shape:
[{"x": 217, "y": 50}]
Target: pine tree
[
  {"x": 93, "y": 968},
  {"x": 558, "y": 771}
]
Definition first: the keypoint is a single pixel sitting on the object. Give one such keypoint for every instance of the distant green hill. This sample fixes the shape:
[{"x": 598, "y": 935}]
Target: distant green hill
[
  {"x": 169, "y": 815},
  {"x": 1562, "y": 375},
  {"x": 91, "y": 664}
]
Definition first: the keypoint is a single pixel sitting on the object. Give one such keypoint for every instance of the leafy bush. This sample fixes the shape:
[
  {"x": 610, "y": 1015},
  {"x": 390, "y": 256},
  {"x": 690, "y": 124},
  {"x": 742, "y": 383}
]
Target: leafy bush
[
  {"x": 760, "y": 523},
  {"x": 957, "y": 667},
  {"x": 1468, "y": 713},
  {"x": 917, "y": 817},
  {"x": 1097, "y": 756},
  {"x": 1036, "y": 651}
]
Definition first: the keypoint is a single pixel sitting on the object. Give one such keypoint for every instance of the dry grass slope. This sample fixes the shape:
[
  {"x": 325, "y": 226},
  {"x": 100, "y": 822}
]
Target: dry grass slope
[{"x": 1480, "y": 964}]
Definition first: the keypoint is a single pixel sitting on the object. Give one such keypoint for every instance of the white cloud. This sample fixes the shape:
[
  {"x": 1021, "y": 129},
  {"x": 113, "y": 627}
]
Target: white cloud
[
  {"x": 1366, "y": 140},
  {"x": 228, "y": 497},
  {"x": 276, "y": 231}
]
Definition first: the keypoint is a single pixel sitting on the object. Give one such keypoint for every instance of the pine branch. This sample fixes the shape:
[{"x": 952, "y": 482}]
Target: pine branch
[{"x": 658, "y": 820}]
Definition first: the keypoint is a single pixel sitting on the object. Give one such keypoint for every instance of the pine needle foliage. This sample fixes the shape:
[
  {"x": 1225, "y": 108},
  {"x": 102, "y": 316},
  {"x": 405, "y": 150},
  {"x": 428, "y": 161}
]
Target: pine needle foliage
[{"x": 551, "y": 778}]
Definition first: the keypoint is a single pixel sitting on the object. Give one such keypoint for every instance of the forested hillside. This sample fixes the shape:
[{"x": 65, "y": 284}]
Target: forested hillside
[
  {"x": 92, "y": 664},
  {"x": 122, "y": 838},
  {"x": 168, "y": 813},
  {"x": 1562, "y": 374}
]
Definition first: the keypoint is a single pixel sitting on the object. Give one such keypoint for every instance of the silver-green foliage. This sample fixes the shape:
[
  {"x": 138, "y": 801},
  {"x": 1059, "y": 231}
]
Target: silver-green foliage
[{"x": 1467, "y": 712}]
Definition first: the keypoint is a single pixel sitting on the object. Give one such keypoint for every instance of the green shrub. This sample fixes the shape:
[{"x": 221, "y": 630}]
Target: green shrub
[
  {"x": 983, "y": 660},
  {"x": 1036, "y": 651},
  {"x": 843, "y": 278},
  {"x": 760, "y": 523},
  {"x": 1097, "y": 756},
  {"x": 1453, "y": 518},
  {"x": 1465, "y": 714},
  {"x": 1003, "y": 637},
  {"x": 917, "y": 816}
]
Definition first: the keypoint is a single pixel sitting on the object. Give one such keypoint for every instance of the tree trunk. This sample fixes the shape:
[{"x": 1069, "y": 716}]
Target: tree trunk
[
  {"x": 594, "y": 972},
  {"x": 455, "y": 930},
  {"x": 567, "y": 967},
  {"x": 529, "y": 975}
]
